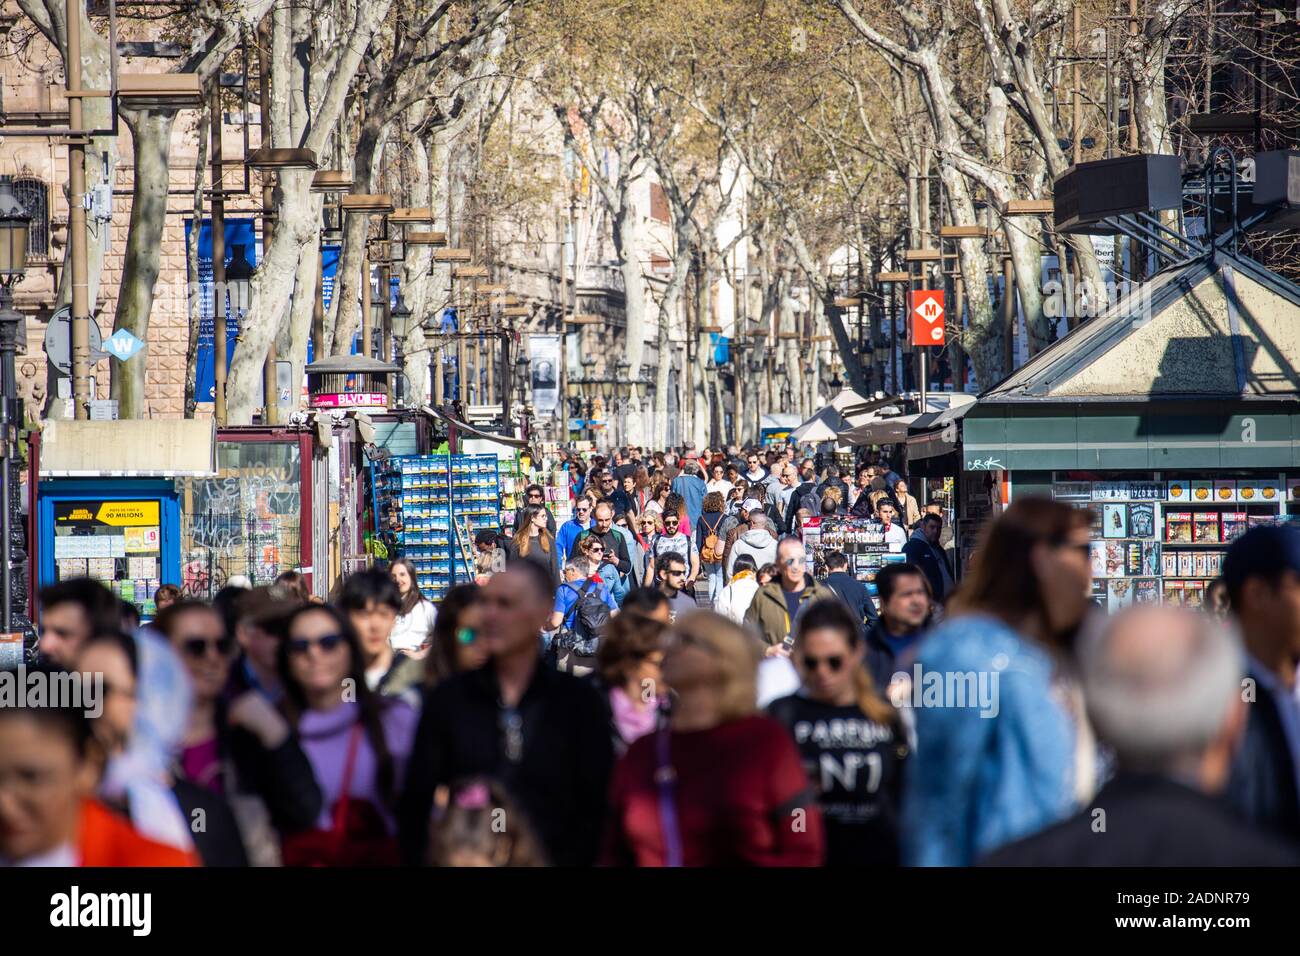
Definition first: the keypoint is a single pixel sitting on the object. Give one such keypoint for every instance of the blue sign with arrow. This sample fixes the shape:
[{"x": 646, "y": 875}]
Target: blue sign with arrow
[{"x": 122, "y": 345}]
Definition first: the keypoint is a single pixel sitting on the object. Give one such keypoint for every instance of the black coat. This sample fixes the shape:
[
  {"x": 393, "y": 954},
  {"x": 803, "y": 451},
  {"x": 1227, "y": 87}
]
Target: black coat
[
  {"x": 560, "y": 779},
  {"x": 927, "y": 559},
  {"x": 1262, "y": 784},
  {"x": 1149, "y": 821},
  {"x": 853, "y": 593}
]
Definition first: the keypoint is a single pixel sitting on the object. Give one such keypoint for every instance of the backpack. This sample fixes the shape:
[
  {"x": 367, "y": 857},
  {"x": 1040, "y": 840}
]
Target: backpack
[
  {"x": 589, "y": 615},
  {"x": 711, "y": 553}
]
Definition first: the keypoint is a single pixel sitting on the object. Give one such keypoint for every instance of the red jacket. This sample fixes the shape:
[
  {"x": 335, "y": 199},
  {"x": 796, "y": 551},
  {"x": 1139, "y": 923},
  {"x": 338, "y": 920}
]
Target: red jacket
[
  {"x": 741, "y": 794},
  {"x": 107, "y": 839}
]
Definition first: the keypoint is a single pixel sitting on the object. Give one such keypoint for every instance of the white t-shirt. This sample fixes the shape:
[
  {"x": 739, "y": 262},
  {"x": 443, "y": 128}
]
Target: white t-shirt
[
  {"x": 721, "y": 485},
  {"x": 412, "y": 630},
  {"x": 777, "y": 678},
  {"x": 895, "y": 537}
]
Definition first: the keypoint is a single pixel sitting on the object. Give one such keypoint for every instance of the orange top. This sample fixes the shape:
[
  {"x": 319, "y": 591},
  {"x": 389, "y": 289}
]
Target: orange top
[{"x": 108, "y": 839}]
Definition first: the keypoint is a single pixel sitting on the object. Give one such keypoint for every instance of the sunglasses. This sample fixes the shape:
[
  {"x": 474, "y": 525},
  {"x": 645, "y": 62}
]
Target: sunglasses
[
  {"x": 834, "y": 662},
  {"x": 791, "y": 562},
  {"x": 328, "y": 643},
  {"x": 198, "y": 647}
]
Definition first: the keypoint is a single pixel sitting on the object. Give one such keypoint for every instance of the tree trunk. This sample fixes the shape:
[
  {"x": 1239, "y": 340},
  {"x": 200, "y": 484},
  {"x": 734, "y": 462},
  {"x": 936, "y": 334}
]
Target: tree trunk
[
  {"x": 151, "y": 139},
  {"x": 356, "y": 229},
  {"x": 273, "y": 284},
  {"x": 629, "y": 245}
]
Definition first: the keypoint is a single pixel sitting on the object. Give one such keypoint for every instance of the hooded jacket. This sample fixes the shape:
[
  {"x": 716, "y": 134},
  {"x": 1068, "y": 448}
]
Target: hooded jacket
[
  {"x": 769, "y": 614},
  {"x": 758, "y": 543}
]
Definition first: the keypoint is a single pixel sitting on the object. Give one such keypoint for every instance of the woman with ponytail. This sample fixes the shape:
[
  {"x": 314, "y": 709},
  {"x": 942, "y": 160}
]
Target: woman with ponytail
[{"x": 851, "y": 739}]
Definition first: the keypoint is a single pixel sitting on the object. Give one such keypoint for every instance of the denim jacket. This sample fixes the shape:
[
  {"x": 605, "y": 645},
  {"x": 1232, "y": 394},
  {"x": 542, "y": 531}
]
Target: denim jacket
[{"x": 978, "y": 782}]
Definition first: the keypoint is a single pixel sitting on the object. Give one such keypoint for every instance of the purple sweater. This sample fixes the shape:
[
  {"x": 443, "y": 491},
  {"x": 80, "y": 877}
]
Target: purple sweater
[{"x": 324, "y": 737}]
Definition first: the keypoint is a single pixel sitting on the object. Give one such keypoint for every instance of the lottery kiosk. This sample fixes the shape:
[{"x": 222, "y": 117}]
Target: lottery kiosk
[{"x": 107, "y": 503}]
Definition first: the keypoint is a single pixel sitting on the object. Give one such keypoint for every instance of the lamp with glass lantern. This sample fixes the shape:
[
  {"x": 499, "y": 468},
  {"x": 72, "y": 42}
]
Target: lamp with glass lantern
[{"x": 14, "y": 225}]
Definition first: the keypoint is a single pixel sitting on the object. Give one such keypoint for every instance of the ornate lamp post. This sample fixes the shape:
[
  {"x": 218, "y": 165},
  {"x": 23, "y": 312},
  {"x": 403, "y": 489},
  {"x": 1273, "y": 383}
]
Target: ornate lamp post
[
  {"x": 14, "y": 222},
  {"x": 401, "y": 318}
]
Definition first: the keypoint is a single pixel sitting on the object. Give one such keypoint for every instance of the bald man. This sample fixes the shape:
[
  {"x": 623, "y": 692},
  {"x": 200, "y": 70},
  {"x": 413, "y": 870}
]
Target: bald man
[{"x": 1163, "y": 688}]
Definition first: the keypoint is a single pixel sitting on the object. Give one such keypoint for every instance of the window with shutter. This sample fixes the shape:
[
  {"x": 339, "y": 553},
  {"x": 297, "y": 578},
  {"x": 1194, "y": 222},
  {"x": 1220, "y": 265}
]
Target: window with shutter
[
  {"x": 34, "y": 197},
  {"x": 658, "y": 203}
]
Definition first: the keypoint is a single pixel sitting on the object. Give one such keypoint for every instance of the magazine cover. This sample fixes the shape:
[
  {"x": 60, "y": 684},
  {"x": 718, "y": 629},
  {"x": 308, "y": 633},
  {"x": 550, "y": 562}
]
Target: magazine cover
[
  {"x": 1100, "y": 594},
  {"x": 1169, "y": 563},
  {"x": 1205, "y": 527},
  {"x": 1247, "y": 491},
  {"x": 1115, "y": 559},
  {"x": 1121, "y": 594},
  {"x": 1179, "y": 492},
  {"x": 1133, "y": 559},
  {"x": 1186, "y": 564},
  {"x": 1234, "y": 525},
  {"x": 1142, "y": 521},
  {"x": 1269, "y": 490},
  {"x": 1173, "y": 592},
  {"x": 1115, "y": 521},
  {"x": 1202, "y": 492},
  {"x": 1098, "y": 553},
  {"x": 1146, "y": 591},
  {"x": 1178, "y": 527},
  {"x": 1201, "y": 564},
  {"x": 1151, "y": 558},
  {"x": 1194, "y": 594},
  {"x": 1225, "y": 490}
]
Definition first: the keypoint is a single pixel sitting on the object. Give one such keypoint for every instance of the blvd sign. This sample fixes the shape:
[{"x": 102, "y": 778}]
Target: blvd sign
[{"x": 927, "y": 317}]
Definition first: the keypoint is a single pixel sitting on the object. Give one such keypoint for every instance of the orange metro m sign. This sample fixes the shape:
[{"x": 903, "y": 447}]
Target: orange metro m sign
[{"x": 926, "y": 326}]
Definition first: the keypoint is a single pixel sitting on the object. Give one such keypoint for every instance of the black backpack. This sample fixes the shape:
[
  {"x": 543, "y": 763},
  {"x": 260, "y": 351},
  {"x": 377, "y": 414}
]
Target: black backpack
[{"x": 589, "y": 616}]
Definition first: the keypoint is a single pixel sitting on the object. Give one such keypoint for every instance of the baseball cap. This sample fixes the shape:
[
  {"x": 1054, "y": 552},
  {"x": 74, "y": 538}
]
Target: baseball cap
[
  {"x": 751, "y": 504},
  {"x": 1264, "y": 551}
]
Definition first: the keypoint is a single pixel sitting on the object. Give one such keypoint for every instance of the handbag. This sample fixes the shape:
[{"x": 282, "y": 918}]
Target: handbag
[{"x": 358, "y": 835}]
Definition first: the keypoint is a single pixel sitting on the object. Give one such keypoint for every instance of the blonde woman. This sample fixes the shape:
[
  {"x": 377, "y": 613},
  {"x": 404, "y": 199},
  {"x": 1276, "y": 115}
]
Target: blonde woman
[{"x": 722, "y": 785}]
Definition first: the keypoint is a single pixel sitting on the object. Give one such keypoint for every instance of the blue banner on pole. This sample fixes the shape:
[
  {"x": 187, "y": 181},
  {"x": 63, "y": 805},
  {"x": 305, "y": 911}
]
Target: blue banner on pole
[
  {"x": 238, "y": 232},
  {"x": 329, "y": 267}
]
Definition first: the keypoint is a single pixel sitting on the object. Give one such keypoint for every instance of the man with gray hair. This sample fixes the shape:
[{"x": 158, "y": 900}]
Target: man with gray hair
[{"x": 1163, "y": 689}]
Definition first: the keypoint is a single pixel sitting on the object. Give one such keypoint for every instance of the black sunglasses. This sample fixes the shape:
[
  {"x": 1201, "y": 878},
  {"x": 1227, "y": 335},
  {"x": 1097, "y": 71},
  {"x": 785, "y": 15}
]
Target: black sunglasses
[
  {"x": 198, "y": 646},
  {"x": 834, "y": 662},
  {"x": 301, "y": 645}
]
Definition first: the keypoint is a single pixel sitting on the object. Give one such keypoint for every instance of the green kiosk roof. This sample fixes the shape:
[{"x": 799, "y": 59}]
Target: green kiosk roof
[{"x": 1200, "y": 368}]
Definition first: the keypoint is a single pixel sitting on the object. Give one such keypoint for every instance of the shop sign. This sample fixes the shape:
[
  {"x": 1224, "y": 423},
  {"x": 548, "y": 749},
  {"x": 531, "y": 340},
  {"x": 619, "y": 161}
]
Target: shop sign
[
  {"x": 113, "y": 514},
  {"x": 350, "y": 400}
]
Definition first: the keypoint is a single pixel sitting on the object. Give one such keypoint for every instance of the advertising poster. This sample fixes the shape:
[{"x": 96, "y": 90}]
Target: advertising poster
[{"x": 544, "y": 356}]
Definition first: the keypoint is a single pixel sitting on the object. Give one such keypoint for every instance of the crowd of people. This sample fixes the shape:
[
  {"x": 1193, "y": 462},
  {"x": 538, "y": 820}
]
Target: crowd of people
[{"x": 659, "y": 680}]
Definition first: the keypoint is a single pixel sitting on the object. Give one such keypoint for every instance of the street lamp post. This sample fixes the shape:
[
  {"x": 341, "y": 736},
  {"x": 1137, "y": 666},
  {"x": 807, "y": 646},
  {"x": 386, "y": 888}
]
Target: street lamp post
[
  {"x": 14, "y": 222},
  {"x": 400, "y": 316}
]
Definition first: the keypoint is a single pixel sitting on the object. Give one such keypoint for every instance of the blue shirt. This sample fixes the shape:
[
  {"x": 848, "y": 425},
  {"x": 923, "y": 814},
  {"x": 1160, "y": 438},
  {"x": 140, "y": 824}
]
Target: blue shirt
[
  {"x": 692, "y": 490},
  {"x": 978, "y": 782},
  {"x": 567, "y": 535},
  {"x": 566, "y": 598}
]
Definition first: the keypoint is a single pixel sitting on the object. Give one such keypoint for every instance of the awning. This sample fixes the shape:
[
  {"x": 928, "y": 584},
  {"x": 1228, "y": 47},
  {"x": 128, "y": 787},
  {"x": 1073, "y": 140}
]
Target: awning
[
  {"x": 828, "y": 423},
  {"x": 1149, "y": 436},
  {"x": 886, "y": 431},
  {"x": 934, "y": 433},
  {"x": 129, "y": 448}
]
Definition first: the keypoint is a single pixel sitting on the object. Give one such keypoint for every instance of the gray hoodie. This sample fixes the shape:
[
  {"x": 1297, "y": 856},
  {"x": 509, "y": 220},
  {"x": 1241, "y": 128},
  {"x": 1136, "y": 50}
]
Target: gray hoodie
[{"x": 758, "y": 543}]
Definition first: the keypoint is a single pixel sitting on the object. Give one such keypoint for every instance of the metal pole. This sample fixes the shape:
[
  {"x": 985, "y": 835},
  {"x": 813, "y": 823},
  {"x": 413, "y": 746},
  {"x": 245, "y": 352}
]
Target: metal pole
[
  {"x": 367, "y": 329},
  {"x": 218, "y": 264},
  {"x": 1076, "y": 95},
  {"x": 270, "y": 393},
  {"x": 81, "y": 366},
  {"x": 8, "y": 394}
]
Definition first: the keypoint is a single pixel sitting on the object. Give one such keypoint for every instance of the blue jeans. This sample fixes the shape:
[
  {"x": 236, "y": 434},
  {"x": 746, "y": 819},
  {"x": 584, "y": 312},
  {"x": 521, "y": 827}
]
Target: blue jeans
[{"x": 714, "y": 574}]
